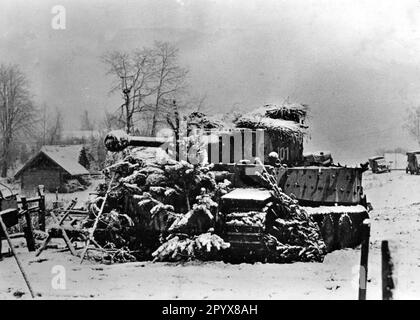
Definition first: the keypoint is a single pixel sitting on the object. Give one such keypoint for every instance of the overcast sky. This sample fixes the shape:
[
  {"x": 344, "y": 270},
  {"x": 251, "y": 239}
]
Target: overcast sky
[{"x": 356, "y": 63}]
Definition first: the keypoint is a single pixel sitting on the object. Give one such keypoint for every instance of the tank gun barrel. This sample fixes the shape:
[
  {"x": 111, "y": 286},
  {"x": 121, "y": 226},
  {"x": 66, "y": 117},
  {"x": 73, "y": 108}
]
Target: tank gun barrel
[{"x": 118, "y": 140}]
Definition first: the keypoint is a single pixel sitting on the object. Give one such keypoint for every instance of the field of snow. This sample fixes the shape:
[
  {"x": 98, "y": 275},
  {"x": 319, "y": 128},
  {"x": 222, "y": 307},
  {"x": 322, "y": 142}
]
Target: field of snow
[{"x": 396, "y": 217}]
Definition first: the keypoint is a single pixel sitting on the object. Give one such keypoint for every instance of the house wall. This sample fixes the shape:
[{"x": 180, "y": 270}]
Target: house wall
[
  {"x": 50, "y": 178},
  {"x": 42, "y": 171}
]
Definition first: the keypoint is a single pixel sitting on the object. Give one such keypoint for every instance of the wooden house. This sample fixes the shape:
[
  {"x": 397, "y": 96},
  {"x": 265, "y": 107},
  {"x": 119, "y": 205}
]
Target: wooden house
[{"x": 54, "y": 166}]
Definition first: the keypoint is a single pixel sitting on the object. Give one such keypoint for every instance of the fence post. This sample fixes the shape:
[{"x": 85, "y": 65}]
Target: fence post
[
  {"x": 28, "y": 229},
  {"x": 363, "y": 271},
  {"x": 41, "y": 212},
  {"x": 388, "y": 284},
  {"x": 1, "y": 248}
]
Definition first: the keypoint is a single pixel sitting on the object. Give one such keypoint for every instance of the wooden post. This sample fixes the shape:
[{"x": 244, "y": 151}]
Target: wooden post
[
  {"x": 28, "y": 230},
  {"x": 25, "y": 277},
  {"x": 41, "y": 214},
  {"x": 64, "y": 234},
  {"x": 43, "y": 245},
  {"x": 92, "y": 230},
  {"x": 363, "y": 271},
  {"x": 388, "y": 284}
]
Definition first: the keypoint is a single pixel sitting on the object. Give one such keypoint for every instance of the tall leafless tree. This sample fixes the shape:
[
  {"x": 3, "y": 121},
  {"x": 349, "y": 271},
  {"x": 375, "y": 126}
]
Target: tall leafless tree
[
  {"x": 110, "y": 121},
  {"x": 170, "y": 80},
  {"x": 49, "y": 126},
  {"x": 17, "y": 111},
  {"x": 85, "y": 122},
  {"x": 132, "y": 77},
  {"x": 55, "y": 128}
]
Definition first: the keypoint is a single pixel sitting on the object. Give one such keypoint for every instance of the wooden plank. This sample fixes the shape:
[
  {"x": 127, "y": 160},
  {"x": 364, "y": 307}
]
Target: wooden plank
[
  {"x": 363, "y": 271},
  {"x": 388, "y": 284},
  {"x": 30, "y": 200},
  {"x": 95, "y": 224},
  {"x": 63, "y": 232},
  {"x": 9, "y": 241},
  {"x": 29, "y": 235},
  {"x": 41, "y": 214}
]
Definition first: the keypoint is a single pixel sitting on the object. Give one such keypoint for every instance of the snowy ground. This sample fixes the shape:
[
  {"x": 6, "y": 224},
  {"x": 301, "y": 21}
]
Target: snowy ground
[{"x": 396, "y": 216}]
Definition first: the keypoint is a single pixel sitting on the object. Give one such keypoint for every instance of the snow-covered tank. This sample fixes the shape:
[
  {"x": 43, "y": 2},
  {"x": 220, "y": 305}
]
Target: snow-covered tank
[{"x": 332, "y": 195}]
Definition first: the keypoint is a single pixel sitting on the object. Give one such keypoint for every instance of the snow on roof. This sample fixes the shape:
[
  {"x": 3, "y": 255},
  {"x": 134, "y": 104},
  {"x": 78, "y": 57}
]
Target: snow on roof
[{"x": 67, "y": 157}]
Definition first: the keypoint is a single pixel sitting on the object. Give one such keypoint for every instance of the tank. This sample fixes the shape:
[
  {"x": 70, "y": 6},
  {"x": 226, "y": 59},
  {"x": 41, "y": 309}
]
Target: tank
[{"x": 332, "y": 195}]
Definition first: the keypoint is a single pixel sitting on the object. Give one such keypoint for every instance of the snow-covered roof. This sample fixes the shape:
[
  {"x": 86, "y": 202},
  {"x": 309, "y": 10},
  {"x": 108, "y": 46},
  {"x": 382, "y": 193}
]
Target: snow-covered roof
[{"x": 67, "y": 157}]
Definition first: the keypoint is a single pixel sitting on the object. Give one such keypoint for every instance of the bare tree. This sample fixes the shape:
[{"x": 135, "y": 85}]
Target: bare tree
[
  {"x": 170, "y": 80},
  {"x": 55, "y": 128},
  {"x": 110, "y": 121},
  {"x": 43, "y": 121},
  {"x": 412, "y": 123},
  {"x": 49, "y": 126},
  {"x": 149, "y": 80},
  {"x": 132, "y": 77},
  {"x": 85, "y": 121},
  {"x": 17, "y": 111}
]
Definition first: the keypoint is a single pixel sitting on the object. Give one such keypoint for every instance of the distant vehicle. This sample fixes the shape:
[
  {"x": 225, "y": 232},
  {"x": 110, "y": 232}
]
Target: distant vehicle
[
  {"x": 321, "y": 158},
  {"x": 413, "y": 162},
  {"x": 379, "y": 165}
]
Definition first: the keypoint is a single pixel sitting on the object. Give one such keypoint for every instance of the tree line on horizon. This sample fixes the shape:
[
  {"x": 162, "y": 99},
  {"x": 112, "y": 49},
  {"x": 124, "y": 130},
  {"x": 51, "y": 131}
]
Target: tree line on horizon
[{"x": 153, "y": 89}]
